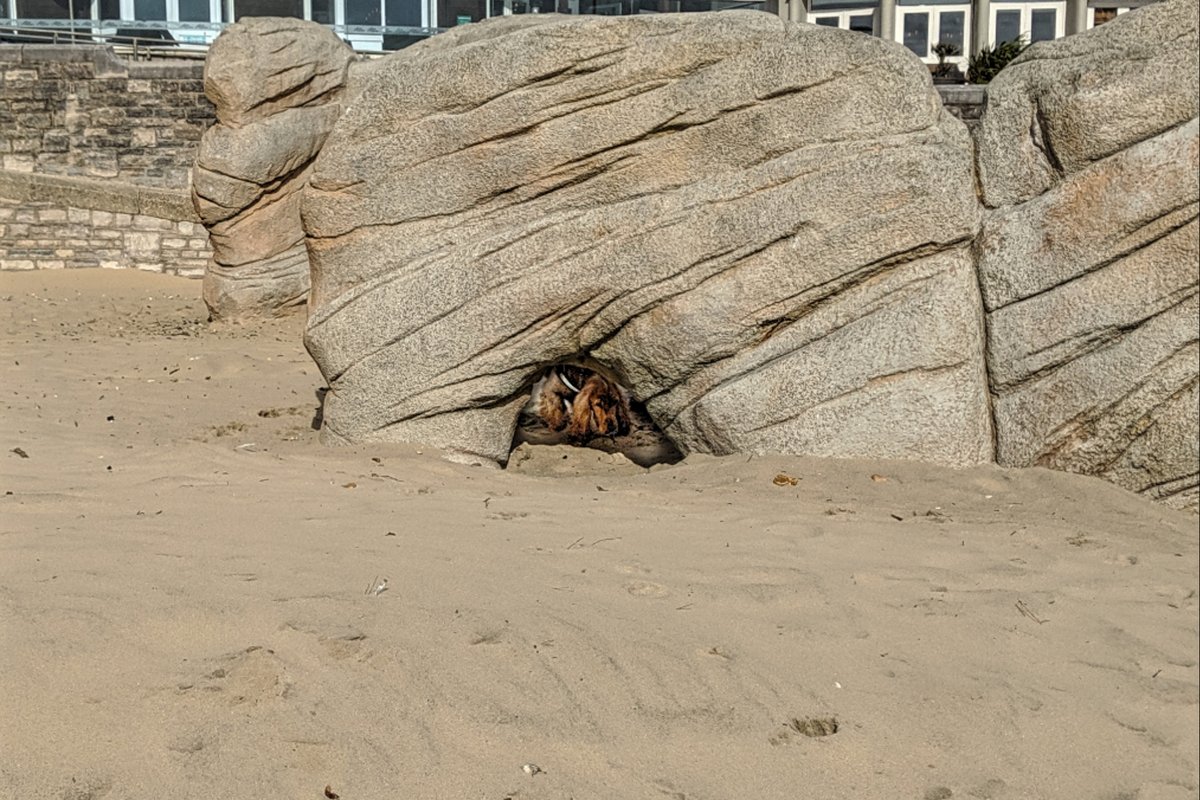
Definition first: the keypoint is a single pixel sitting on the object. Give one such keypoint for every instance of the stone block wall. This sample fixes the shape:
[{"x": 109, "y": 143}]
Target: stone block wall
[
  {"x": 965, "y": 101},
  {"x": 95, "y": 160},
  {"x": 79, "y": 110},
  {"x": 51, "y": 222},
  {"x": 44, "y": 235}
]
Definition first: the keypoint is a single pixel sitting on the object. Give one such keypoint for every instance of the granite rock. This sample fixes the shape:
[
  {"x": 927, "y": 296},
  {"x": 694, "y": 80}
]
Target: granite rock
[
  {"x": 762, "y": 229},
  {"x": 276, "y": 85},
  {"x": 1090, "y": 262}
]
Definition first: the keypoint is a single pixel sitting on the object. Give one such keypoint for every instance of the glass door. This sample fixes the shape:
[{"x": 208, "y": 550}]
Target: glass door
[
  {"x": 1035, "y": 22},
  {"x": 925, "y": 27}
]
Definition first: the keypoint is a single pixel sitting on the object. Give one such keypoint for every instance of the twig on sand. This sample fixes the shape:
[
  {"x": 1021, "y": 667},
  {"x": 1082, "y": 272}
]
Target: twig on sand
[{"x": 1024, "y": 609}]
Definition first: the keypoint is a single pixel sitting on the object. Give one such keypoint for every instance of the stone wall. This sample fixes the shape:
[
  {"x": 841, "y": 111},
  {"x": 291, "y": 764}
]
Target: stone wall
[
  {"x": 49, "y": 222},
  {"x": 95, "y": 160},
  {"x": 79, "y": 110},
  {"x": 965, "y": 101}
]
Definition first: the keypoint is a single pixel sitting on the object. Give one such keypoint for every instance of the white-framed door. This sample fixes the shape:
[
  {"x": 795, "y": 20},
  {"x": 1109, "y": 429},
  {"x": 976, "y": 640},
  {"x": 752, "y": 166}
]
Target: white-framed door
[
  {"x": 1036, "y": 22},
  {"x": 921, "y": 28}
]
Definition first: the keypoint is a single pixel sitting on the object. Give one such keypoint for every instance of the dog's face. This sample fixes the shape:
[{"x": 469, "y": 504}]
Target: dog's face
[{"x": 608, "y": 413}]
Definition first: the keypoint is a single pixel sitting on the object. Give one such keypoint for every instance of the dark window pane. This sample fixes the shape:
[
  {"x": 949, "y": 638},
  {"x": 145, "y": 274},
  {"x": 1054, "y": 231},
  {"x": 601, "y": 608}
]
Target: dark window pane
[
  {"x": 52, "y": 9},
  {"x": 460, "y": 12},
  {"x": 149, "y": 9},
  {"x": 916, "y": 33},
  {"x": 1043, "y": 25},
  {"x": 863, "y": 23},
  {"x": 193, "y": 10},
  {"x": 950, "y": 28},
  {"x": 322, "y": 11},
  {"x": 110, "y": 9},
  {"x": 828, "y": 22},
  {"x": 1008, "y": 26},
  {"x": 268, "y": 8},
  {"x": 402, "y": 12},
  {"x": 362, "y": 12}
]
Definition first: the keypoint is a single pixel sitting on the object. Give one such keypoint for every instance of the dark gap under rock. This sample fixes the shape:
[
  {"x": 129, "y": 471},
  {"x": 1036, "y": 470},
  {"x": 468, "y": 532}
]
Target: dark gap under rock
[{"x": 644, "y": 444}]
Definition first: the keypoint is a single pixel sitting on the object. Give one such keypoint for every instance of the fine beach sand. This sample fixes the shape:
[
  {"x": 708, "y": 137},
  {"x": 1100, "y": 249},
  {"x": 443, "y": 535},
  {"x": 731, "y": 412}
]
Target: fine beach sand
[{"x": 184, "y": 604}]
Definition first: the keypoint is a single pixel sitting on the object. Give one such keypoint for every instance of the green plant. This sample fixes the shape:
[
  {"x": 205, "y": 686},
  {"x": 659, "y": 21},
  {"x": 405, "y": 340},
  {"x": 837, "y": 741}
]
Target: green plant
[
  {"x": 944, "y": 50},
  {"x": 985, "y": 64}
]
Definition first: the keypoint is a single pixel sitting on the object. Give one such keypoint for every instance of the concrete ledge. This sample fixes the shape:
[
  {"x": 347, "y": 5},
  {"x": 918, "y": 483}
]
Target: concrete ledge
[
  {"x": 963, "y": 94},
  {"x": 98, "y": 195},
  {"x": 101, "y": 56},
  {"x": 177, "y": 70}
]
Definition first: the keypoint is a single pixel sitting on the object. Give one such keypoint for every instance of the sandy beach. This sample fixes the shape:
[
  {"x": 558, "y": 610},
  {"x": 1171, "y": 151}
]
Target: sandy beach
[{"x": 199, "y": 600}]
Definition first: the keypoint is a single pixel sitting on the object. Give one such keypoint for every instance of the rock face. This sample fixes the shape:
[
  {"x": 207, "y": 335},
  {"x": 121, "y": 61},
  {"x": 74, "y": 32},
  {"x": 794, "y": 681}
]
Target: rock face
[
  {"x": 763, "y": 230},
  {"x": 1090, "y": 262},
  {"x": 276, "y": 84}
]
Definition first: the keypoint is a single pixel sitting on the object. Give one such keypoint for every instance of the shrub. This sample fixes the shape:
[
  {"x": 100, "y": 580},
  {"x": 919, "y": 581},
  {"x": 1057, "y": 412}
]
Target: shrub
[
  {"x": 985, "y": 64},
  {"x": 944, "y": 50}
]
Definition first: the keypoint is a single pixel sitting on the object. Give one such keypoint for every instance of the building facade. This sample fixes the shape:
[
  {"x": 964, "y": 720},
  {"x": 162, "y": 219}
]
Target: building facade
[{"x": 381, "y": 25}]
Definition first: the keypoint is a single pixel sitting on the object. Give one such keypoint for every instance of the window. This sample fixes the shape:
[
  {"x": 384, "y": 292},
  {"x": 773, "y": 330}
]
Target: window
[
  {"x": 150, "y": 9},
  {"x": 1044, "y": 23},
  {"x": 1008, "y": 25},
  {"x": 459, "y": 12},
  {"x": 950, "y": 29},
  {"x": 193, "y": 10},
  {"x": 863, "y": 23},
  {"x": 362, "y": 12},
  {"x": 53, "y": 9},
  {"x": 402, "y": 13},
  {"x": 322, "y": 11},
  {"x": 916, "y": 33},
  {"x": 267, "y": 8},
  {"x": 860, "y": 20}
]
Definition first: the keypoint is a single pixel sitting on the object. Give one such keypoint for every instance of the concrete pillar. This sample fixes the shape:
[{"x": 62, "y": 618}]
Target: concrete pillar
[
  {"x": 1076, "y": 21},
  {"x": 981, "y": 19},
  {"x": 796, "y": 11},
  {"x": 886, "y": 20}
]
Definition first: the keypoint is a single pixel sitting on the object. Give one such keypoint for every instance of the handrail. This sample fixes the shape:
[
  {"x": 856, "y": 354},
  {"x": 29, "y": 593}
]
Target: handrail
[{"x": 121, "y": 34}]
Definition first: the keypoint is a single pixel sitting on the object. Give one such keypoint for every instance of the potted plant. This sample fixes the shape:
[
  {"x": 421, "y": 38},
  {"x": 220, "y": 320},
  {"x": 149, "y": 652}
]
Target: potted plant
[{"x": 946, "y": 72}]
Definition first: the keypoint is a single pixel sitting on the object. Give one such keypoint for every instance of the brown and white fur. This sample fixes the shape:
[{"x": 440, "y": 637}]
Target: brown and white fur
[{"x": 584, "y": 403}]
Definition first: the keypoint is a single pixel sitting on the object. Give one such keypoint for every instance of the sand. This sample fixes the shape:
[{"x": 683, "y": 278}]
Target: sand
[{"x": 186, "y": 604}]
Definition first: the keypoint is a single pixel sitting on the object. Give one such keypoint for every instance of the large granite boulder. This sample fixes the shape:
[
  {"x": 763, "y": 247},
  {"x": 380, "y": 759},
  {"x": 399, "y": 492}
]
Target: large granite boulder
[
  {"x": 1090, "y": 262},
  {"x": 762, "y": 229},
  {"x": 276, "y": 85}
]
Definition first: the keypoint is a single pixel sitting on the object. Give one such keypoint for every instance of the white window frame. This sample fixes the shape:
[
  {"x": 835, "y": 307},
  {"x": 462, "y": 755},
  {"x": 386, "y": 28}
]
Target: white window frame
[
  {"x": 843, "y": 16},
  {"x": 934, "y": 14},
  {"x": 1091, "y": 22},
  {"x": 1027, "y": 9},
  {"x": 194, "y": 37}
]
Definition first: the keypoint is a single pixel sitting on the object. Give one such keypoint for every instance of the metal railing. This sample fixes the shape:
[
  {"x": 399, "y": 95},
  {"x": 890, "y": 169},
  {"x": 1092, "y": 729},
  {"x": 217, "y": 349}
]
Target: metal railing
[{"x": 144, "y": 39}]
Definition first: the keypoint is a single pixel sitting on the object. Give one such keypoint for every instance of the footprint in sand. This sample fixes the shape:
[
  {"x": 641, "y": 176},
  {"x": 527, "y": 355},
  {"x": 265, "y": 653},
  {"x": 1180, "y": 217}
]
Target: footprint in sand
[
  {"x": 646, "y": 589},
  {"x": 251, "y": 676}
]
